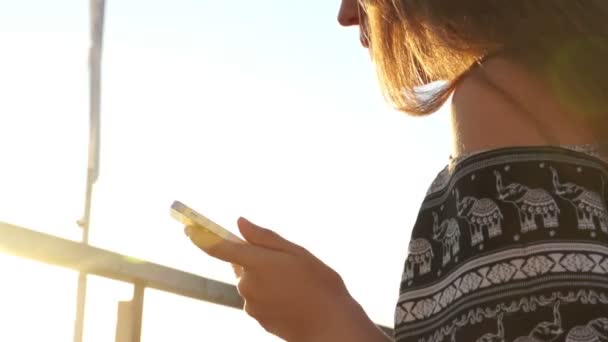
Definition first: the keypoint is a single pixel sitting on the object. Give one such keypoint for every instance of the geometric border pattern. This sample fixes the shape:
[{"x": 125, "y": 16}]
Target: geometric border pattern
[{"x": 541, "y": 260}]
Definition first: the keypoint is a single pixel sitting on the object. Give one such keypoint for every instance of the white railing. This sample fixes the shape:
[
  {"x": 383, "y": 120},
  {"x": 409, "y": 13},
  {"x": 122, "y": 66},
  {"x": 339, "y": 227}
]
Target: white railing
[{"x": 87, "y": 259}]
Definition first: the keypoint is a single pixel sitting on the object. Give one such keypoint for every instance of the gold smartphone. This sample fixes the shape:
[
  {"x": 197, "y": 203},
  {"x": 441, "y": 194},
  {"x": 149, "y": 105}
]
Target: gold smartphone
[{"x": 190, "y": 217}]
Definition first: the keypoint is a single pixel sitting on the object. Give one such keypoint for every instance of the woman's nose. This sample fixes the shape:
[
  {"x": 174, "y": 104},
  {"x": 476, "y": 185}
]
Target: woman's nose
[{"x": 349, "y": 13}]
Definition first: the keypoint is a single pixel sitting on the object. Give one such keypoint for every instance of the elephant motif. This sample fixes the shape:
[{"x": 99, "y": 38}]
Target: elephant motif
[
  {"x": 545, "y": 331},
  {"x": 448, "y": 233},
  {"x": 590, "y": 208},
  {"x": 420, "y": 258},
  {"x": 480, "y": 214},
  {"x": 600, "y": 328},
  {"x": 594, "y": 331},
  {"x": 530, "y": 203}
]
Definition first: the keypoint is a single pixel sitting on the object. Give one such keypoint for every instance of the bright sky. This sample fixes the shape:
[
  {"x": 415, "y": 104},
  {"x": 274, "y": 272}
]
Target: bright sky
[{"x": 264, "y": 109}]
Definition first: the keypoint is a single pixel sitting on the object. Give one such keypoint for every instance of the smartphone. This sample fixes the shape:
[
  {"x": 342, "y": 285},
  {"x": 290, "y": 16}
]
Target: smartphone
[{"x": 190, "y": 217}]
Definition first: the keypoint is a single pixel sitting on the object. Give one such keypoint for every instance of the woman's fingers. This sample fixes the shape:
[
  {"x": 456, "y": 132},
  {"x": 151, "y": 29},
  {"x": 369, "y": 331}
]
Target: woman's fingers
[
  {"x": 267, "y": 238},
  {"x": 238, "y": 270},
  {"x": 246, "y": 286},
  {"x": 244, "y": 255}
]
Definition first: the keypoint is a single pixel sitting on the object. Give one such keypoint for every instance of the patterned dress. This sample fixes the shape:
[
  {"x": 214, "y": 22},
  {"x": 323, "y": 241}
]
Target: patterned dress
[{"x": 510, "y": 245}]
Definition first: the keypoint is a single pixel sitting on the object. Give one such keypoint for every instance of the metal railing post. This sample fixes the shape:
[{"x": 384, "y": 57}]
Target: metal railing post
[
  {"x": 130, "y": 315},
  {"x": 97, "y": 11}
]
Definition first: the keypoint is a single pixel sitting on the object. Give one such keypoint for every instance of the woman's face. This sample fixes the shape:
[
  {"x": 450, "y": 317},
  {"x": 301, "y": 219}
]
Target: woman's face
[{"x": 351, "y": 14}]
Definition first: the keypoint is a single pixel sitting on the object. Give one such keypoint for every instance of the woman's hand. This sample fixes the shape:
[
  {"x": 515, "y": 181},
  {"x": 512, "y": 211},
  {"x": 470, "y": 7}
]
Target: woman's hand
[{"x": 290, "y": 292}]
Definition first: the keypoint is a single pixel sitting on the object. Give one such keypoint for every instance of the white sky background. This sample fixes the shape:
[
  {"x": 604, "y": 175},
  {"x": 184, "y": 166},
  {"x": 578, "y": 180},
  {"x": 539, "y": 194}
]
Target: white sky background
[{"x": 262, "y": 109}]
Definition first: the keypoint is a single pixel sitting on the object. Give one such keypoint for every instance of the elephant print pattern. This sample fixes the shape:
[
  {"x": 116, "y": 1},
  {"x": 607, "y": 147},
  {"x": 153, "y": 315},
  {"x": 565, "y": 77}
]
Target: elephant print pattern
[
  {"x": 594, "y": 331},
  {"x": 480, "y": 214},
  {"x": 510, "y": 245},
  {"x": 545, "y": 331},
  {"x": 419, "y": 259},
  {"x": 590, "y": 207},
  {"x": 530, "y": 203},
  {"x": 448, "y": 233}
]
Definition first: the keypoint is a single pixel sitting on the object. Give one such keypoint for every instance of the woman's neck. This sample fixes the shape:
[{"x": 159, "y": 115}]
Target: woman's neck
[{"x": 501, "y": 104}]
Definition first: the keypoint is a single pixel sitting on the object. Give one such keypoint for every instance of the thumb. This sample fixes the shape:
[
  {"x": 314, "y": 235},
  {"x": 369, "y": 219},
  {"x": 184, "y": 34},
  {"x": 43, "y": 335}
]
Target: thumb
[{"x": 263, "y": 237}]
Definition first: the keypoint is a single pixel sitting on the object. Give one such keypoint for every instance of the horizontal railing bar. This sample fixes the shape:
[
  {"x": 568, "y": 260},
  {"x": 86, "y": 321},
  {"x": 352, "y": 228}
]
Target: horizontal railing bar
[
  {"x": 53, "y": 250},
  {"x": 61, "y": 252}
]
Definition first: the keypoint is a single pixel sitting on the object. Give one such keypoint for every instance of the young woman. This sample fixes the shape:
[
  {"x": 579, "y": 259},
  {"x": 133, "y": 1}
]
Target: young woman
[{"x": 511, "y": 241}]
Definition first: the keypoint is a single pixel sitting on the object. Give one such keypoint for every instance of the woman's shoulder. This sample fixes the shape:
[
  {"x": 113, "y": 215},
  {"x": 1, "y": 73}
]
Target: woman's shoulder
[
  {"x": 531, "y": 218},
  {"x": 466, "y": 164},
  {"x": 505, "y": 185},
  {"x": 479, "y": 182}
]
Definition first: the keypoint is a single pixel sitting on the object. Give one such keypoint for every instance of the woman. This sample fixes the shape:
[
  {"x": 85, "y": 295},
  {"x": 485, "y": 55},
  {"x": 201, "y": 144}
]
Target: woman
[{"x": 511, "y": 241}]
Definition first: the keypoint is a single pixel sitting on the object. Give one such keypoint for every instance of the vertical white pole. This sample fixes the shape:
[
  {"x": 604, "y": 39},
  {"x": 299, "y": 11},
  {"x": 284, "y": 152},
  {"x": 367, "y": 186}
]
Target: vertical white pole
[{"x": 97, "y": 11}]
